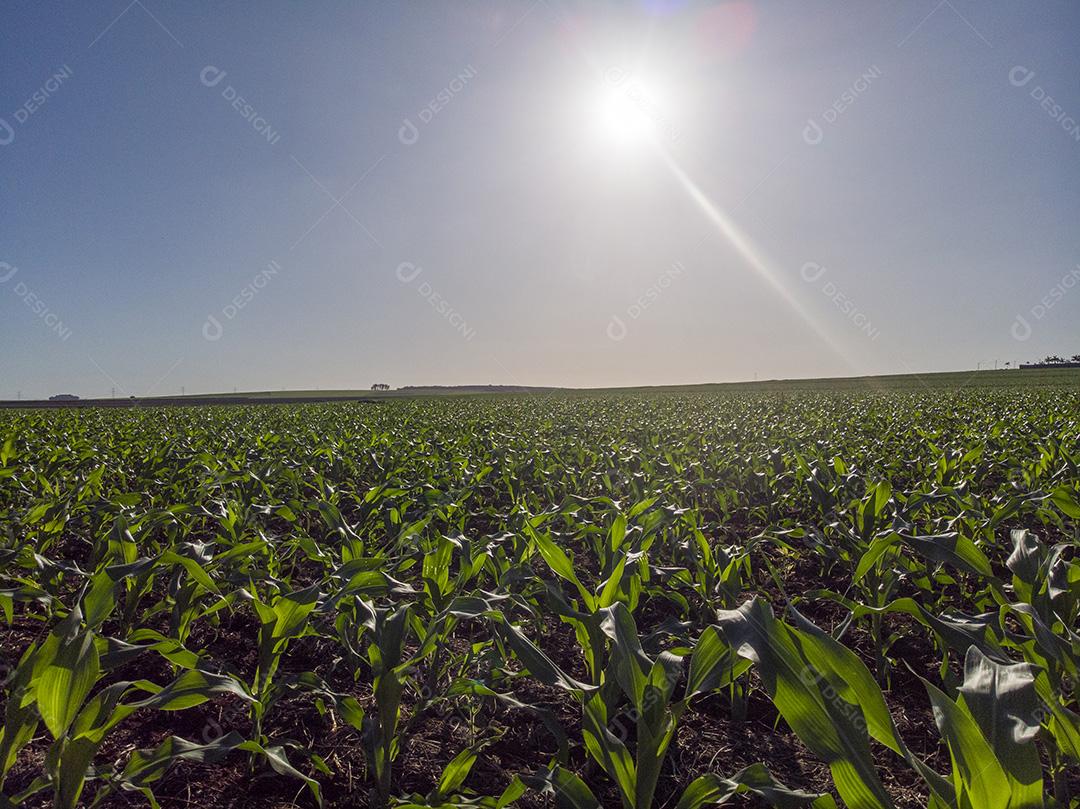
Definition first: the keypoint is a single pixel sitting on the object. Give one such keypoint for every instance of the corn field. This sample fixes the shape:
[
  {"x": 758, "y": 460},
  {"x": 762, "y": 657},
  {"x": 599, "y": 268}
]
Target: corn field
[{"x": 628, "y": 600}]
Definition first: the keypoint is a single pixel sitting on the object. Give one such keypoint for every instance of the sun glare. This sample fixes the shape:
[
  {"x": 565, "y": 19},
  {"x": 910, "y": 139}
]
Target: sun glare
[
  {"x": 625, "y": 114},
  {"x": 619, "y": 121}
]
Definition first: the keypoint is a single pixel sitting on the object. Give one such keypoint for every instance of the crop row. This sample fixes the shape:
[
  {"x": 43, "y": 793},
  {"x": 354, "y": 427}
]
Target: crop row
[{"x": 484, "y": 602}]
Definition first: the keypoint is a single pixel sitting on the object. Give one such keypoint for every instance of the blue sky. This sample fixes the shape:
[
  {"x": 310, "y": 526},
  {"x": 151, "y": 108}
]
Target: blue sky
[{"x": 531, "y": 192}]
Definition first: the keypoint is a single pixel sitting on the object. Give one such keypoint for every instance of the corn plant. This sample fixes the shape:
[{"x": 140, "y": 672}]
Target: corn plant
[{"x": 555, "y": 588}]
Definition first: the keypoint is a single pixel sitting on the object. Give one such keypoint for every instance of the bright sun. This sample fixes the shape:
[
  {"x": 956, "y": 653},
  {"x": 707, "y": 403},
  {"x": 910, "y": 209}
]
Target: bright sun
[{"x": 623, "y": 116}]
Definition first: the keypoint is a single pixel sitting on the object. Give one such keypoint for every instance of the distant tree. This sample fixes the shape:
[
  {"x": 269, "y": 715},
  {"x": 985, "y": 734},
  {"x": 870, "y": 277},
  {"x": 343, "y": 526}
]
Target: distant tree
[
  {"x": 1053, "y": 359},
  {"x": 1074, "y": 358}
]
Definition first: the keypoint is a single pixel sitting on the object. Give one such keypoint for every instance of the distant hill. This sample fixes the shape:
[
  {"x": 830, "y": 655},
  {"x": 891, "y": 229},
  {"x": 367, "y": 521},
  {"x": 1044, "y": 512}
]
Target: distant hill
[
  {"x": 437, "y": 389},
  {"x": 1054, "y": 376}
]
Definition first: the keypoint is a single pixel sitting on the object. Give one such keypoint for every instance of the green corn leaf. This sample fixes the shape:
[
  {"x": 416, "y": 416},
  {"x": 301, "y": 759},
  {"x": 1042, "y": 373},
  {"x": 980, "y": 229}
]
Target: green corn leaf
[
  {"x": 351, "y": 711},
  {"x": 455, "y": 773},
  {"x": 566, "y": 789},
  {"x": 550, "y": 721},
  {"x": 147, "y": 766},
  {"x": 842, "y": 672},
  {"x": 99, "y": 600},
  {"x": 978, "y": 777},
  {"x": 190, "y": 689},
  {"x": 279, "y": 762},
  {"x": 631, "y": 664},
  {"x": 951, "y": 549},
  {"x": 956, "y": 630},
  {"x": 281, "y": 621},
  {"x": 611, "y": 588},
  {"x": 116, "y": 653},
  {"x": 64, "y": 682},
  {"x": 641, "y": 507},
  {"x": 827, "y": 724},
  {"x": 293, "y": 609},
  {"x": 538, "y": 664},
  {"x": 1063, "y": 724},
  {"x": 560, "y": 564},
  {"x": 1025, "y": 558},
  {"x": 514, "y": 790},
  {"x": 1067, "y": 501},
  {"x": 74, "y": 760},
  {"x": 608, "y": 750},
  {"x": 20, "y": 717},
  {"x": 713, "y": 664},
  {"x": 713, "y": 790},
  {"x": 102, "y": 712},
  {"x": 476, "y": 605},
  {"x": 193, "y": 569},
  {"x": 617, "y": 533},
  {"x": 1002, "y": 700},
  {"x": 875, "y": 551}
]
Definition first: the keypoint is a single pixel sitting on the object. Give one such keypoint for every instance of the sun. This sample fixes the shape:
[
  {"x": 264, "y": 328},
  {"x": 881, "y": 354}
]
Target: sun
[{"x": 622, "y": 116}]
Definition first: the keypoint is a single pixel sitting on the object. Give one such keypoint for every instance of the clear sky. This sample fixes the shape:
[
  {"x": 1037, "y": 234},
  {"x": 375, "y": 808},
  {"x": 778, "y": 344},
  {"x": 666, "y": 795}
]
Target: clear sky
[{"x": 326, "y": 195}]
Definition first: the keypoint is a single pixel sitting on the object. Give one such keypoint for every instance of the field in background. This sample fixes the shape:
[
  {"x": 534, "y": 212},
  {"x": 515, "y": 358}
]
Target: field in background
[
  {"x": 798, "y": 593},
  {"x": 950, "y": 379},
  {"x": 1034, "y": 378}
]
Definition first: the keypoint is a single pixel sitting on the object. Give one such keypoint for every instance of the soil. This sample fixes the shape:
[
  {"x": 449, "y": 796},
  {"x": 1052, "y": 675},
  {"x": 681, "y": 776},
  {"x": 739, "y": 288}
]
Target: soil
[{"x": 708, "y": 738}]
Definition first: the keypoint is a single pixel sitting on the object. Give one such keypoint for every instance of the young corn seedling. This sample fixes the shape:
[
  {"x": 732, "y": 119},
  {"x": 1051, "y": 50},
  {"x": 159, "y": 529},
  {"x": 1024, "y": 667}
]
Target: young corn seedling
[
  {"x": 648, "y": 685},
  {"x": 828, "y": 698},
  {"x": 283, "y": 619},
  {"x": 386, "y": 631},
  {"x": 990, "y": 731},
  {"x": 622, "y": 584},
  {"x": 52, "y": 684}
]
